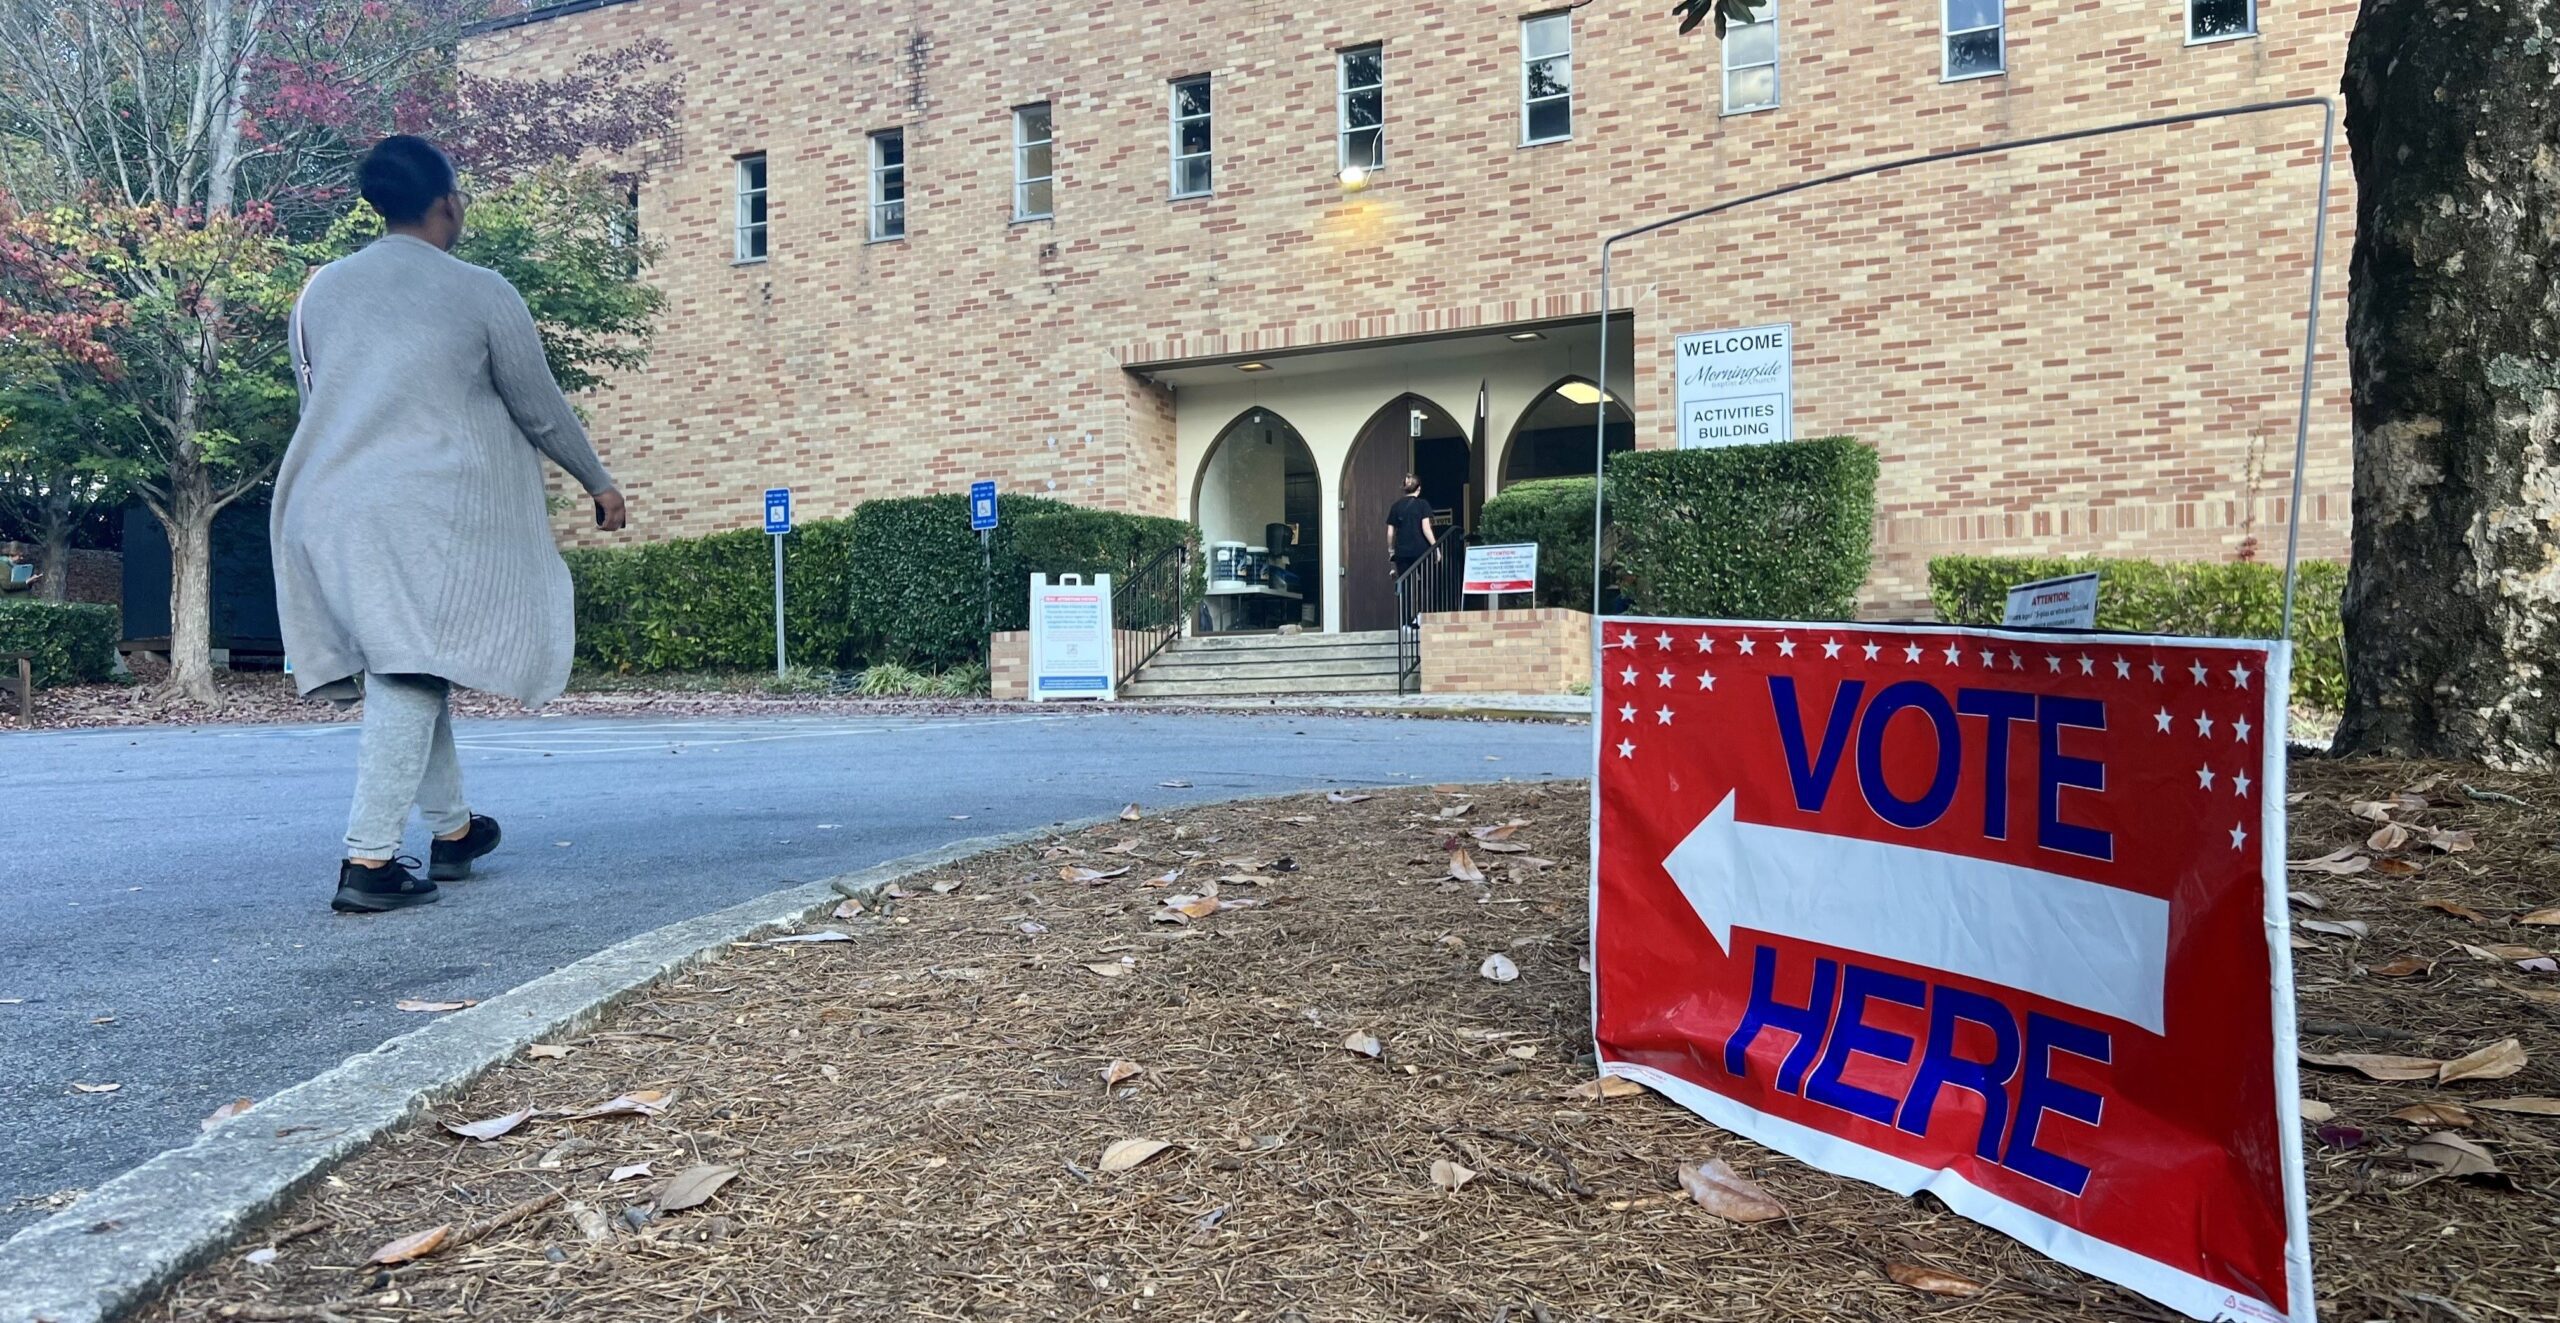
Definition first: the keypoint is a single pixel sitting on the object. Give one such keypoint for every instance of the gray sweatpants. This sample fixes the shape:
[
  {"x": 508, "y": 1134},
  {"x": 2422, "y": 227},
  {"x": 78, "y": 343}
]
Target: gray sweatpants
[{"x": 406, "y": 759}]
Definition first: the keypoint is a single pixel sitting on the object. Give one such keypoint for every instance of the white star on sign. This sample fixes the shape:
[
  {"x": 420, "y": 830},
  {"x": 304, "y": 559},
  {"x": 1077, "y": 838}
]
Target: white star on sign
[
  {"x": 1990, "y": 658},
  {"x": 1954, "y": 654},
  {"x": 2239, "y": 836},
  {"x": 1706, "y": 644},
  {"x": 1707, "y": 680},
  {"x": 2053, "y": 663},
  {"x": 1626, "y": 748},
  {"x": 2124, "y": 669},
  {"x": 1627, "y": 640},
  {"x": 2157, "y": 673},
  {"x": 2087, "y": 667},
  {"x": 1871, "y": 650},
  {"x": 1663, "y": 640},
  {"x": 1627, "y": 713},
  {"x": 1911, "y": 652},
  {"x": 1786, "y": 647},
  {"x": 2197, "y": 670},
  {"x": 2239, "y": 675},
  {"x": 1666, "y": 677},
  {"x": 2016, "y": 662},
  {"x": 2164, "y": 719},
  {"x": 1628, "y": 675},
  {"x": 1664, "y": 715},
  {"x": 1830, "y": 649},
  {"x": 2240, "y": 729},
  {"x": 2204, "y": 724},
  {"x": 2204, "y": 778},
  {"x": 2240, "y": 784},
  {"x": 1747, "y": 645}
]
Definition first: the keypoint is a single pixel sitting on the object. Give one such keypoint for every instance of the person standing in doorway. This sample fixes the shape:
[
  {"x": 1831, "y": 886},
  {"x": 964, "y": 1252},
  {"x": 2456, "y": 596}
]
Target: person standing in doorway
[
  {"x": 1409, "y": 533},
  {"x": 413, "y": 547}
]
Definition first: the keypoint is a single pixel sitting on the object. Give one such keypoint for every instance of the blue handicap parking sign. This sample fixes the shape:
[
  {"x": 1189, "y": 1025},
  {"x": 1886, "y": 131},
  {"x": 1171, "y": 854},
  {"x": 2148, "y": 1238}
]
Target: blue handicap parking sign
[
  {"x": 777, "y": 510},
  {"x": 982, "y": 506}
]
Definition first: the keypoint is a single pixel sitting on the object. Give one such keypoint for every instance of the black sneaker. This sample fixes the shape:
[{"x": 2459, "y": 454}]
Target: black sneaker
[
  {"x": 363, "y": 890},
  {"x": 450, "y": 861}
]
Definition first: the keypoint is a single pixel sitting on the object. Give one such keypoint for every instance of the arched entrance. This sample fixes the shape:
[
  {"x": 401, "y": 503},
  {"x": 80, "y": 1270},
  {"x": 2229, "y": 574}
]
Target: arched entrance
[
  {"x": 1410, "y": 435},
  {"x": 1553, "y": 437},
  {"x": 1258, "y": 488}
]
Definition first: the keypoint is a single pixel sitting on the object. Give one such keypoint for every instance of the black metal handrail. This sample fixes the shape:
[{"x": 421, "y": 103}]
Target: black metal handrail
[
  {"x": 1427, "y": 585},
  {"x": 1148, "y": 607}
]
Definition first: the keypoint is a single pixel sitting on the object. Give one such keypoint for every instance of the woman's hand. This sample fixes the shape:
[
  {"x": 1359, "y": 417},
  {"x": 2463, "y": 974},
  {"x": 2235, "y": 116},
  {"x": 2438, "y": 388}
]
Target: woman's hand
[{"x": 611, "y": 513}]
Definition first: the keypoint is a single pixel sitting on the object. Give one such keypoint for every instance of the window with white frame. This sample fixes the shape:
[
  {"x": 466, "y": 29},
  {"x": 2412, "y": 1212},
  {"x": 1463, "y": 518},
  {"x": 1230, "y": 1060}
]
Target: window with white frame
[
  {"x": 1977, "y": 39},
  {"x": 889, "y": 184},
  {"x": 1193, "y": 141},
  {"x": 1546, "y": 78},
  {"x": 2221, "y": 20},
  {"x": 1361, "y": 106},
  {"x": 751, "y": 209},
  {"x": 1751, "y": 62},
  {"x": 1034, "y": 166}
]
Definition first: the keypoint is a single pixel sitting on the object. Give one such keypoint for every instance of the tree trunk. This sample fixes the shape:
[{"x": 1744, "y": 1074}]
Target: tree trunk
[
  {"x": 2453, "y": 343},
  {"x": 189, "y": 521}
]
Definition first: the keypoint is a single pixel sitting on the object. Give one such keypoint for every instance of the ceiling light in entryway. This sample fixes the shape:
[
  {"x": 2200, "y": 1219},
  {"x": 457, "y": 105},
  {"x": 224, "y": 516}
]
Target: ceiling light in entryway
[
  {"x": 1525, "y": 337},
  {"x": 1580, "y": 392},
  {"x": 1253, "y": 367}
]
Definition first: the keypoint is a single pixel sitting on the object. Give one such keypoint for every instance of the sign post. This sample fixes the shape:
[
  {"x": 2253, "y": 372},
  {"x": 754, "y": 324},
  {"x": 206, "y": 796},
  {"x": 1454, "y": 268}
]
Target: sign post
[
  {"x": 777, "y": 524},
  {"x": 1994, "y": 914},
  {"x": 982, "y": 519},
  {"x": 1492, "y": 571}
]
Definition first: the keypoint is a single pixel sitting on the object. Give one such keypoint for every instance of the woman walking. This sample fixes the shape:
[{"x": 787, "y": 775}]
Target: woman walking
[{"x": 413, "y": 546}]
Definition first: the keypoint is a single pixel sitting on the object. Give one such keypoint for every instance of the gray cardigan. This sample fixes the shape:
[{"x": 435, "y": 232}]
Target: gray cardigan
[{"x": 410, "y": 530}]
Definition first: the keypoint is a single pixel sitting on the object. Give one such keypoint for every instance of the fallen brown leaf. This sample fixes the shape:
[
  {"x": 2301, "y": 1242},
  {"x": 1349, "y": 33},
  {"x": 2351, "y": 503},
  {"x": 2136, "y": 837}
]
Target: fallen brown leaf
[
  {"x": 1932, "y": 1280},
  {"x": 693, "y": 1187},
  {"x": 546, "y": 1051},
  {"x": 1454, "y": 811},
  {"x": 1729, "y": 1195},
  {"x": 2356, "y": 928},
  {"x": 2504, "y": 951},
  {"x": 1072, "y": 874},
  {"x": 2549, "y": 915},
  {"x": 2403, "y": 967},
  {"x": 1363, "y": 1043},
  {"x": 2528, "y": 1106},
  {"x": 632, "y": 1172},
  {"x": 2433, "y": 1116},
  {"x": 2316, "y": 1111},
  {"x": 2388, "y": 836},
  {"x": 2451, "y": 842},
  {"x": 2307, "y": 900},
  {"x": 2398, "y": 868},
  {"x": 1450, "y": 1176},
  {"x": 1130, "y": 814},
  {"x": 1124, "y": 847},
  {"x": 225, "y": 1112},
  {"x": 1129, "y": 1153},
  {"x": 1118, "y": 1071},
  {"x": 1346, "y": 797},
  {"x": 2452, "y": 1155},
  {"x": 408, "y": 1248},
  {"x": 78, "y": 1087},
  {"x": 642, "y": 1102},
  {"x": 1500, "y": 831},
  {"x": 2341, "y": 863},
  {"x": 2372, "y": 810},
  {"x": 1463, "y": 868},
  {"x": 435, "y": 1007},
  {"x": 2454, "y": 908},
  {"x": 1607, "y": 1086},
  {"x": 1498, "y": 968},
  {"x": 493, "y": 1127},
  {"x": 2374, "y": 1065},
  {"x": 1108, "y": 970},
  {"x": 2494, "y": 1062}
]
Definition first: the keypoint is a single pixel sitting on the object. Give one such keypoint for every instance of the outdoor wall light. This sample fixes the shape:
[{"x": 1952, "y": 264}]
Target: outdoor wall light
[
  {"x": 1354, "y": 178},
  {"x": 1253, "y": 367},
  {"x": 1525, "y": 337}
]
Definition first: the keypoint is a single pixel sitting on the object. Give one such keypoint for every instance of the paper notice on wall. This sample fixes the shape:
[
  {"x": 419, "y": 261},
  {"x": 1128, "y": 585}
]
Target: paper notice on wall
[{"x": 1737, "y": 387}]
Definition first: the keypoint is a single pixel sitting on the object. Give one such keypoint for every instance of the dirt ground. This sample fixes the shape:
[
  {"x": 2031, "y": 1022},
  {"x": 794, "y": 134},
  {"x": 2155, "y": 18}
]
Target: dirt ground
[{"x": 918, "y": 1117}]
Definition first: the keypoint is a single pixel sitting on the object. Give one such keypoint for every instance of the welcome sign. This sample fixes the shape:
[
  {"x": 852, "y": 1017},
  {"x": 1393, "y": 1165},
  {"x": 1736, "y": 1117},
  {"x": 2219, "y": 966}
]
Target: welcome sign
[
  {"x": 1737, "y": 387},
  {"x": 1990, "y": 914}
]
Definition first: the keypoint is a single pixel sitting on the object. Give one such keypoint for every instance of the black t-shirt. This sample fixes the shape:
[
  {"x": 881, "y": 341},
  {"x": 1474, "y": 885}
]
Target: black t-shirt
[{"x": 1407, "y": 517}]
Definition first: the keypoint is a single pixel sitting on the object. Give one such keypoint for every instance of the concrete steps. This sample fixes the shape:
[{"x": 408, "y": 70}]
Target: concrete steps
[{"x": 1270, "y": 666}]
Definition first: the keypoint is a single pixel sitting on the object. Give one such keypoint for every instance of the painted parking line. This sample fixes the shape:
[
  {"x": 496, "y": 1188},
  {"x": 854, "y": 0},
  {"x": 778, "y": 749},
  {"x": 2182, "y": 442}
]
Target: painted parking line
[{"x": 655, "y": 737}]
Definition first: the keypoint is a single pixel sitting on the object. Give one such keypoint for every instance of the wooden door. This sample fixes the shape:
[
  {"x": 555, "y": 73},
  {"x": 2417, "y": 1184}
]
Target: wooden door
[{"x": 1371, "y": 482}]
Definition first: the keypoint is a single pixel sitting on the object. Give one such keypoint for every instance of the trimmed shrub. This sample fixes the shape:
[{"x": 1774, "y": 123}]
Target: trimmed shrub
[
  {"x": 1091, "y": 542},
  {"x": 71, "y": 642},
  {"x": 1774, "y": 532},
  {"x": 2211, "y": 599},
  {"x": 1555, "y": 513},
  {"x": 917, "y": 591},
  {"x": 706, "y": 603}
]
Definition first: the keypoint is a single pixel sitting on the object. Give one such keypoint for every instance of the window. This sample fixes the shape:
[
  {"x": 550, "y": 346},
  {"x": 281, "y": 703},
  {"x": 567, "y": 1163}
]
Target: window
[
  {"x": 888, "y": 185},
  {"x": 2221, "y": 20},
  {"x": 1977, "y": 39},
  {"x": 751, "y": 209},
  {"x": 1034, "y": 166},
  {"x": 1192, "y": 138},
  {"x": 1361, "y": 106},
  {"x": 626, "y": 230},
  {"x": 1751, "y": 63},
  {"x": 1546, "y": 78}
]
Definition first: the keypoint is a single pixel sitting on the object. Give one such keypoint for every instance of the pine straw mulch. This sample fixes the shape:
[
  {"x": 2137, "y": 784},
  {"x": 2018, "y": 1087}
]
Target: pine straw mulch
[{"x": 918, "y": 1115}]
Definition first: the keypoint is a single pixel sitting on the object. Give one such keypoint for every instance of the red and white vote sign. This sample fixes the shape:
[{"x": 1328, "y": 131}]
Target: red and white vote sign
[{"x": 1986, "y": 913}]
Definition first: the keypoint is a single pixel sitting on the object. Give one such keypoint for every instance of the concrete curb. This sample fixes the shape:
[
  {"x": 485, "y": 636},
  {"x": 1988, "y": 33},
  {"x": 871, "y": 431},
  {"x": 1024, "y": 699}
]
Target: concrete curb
[{"x": 129, "y": 1239}]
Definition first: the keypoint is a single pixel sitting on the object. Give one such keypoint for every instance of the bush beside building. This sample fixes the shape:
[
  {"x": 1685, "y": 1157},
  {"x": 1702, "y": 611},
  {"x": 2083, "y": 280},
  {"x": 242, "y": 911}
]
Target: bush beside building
[{"x": 70, "y": 642}]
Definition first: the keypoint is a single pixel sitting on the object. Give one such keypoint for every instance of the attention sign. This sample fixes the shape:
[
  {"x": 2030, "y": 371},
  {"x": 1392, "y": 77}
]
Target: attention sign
[
  {"x": 1984, "y": 913},
  {"x": 1492, "y": 570},
  {"x": 1737, "y": 387}
]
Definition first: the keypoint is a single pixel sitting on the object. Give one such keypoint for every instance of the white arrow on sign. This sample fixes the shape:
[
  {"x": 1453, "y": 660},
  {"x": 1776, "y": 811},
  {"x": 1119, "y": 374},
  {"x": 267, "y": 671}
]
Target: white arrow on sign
[{"x": 2083, "y": 944}]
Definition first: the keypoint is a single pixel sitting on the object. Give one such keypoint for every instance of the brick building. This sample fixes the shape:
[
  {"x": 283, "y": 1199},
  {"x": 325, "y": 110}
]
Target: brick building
[{"x": 1115, "y": 254}]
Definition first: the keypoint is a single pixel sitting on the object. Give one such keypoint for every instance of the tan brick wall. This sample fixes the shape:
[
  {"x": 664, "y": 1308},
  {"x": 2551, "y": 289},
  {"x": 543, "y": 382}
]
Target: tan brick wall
[
  {"x": 1530, "y": 651},
  {"x": 1009, "y": 666},
  {"x": 2089, "y": 347}
]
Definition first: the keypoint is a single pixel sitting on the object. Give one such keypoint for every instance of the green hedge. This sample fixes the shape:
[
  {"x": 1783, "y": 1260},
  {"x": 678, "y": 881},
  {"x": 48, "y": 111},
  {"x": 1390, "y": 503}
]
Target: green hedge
[
  {"x": 706, "y": 603},
  {"x": 71, "y": 642},
  {"x": 919, "y": 591},
  {"x": 1555, "y": 513},
  {"x": 2212, "y": 599},
  {"x": 1774, "y": 532}
]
